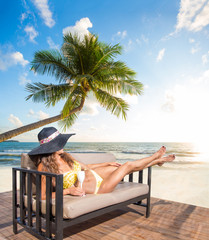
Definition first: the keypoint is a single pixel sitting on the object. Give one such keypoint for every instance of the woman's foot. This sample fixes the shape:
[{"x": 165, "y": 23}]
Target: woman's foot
[
  {"x": 169, "y": 158},
  {"x": 159, "y": 153}
]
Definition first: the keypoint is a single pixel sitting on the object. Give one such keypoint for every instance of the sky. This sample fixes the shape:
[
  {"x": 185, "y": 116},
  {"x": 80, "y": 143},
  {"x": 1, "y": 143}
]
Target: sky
[{"x": 165, "y": 42}]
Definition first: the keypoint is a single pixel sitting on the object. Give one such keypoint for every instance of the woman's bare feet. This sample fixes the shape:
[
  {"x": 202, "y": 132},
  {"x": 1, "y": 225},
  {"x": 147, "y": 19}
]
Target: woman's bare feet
[
  {"x": 159, "y": 153},
  {"x": 169, "y": 158}
]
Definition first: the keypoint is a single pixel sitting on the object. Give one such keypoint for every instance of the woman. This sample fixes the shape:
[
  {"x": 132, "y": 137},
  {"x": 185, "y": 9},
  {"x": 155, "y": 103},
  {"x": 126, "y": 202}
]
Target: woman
[{"x": 99, "y": 178}]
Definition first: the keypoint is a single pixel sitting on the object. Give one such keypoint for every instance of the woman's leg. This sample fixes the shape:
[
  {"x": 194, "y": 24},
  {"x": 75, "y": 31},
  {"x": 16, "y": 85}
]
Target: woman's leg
[
  {"x": 110, "y": 182},
  {"x": 147, "y": 162},
  {"x": 105, "y": 172}
]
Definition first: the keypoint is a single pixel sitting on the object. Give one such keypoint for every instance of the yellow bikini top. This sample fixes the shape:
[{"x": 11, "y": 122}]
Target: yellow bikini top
[{"x": 69, "y": 178}]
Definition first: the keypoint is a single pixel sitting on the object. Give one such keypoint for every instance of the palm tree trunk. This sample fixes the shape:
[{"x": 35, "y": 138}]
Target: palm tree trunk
[{"x": 32, "y": 126}]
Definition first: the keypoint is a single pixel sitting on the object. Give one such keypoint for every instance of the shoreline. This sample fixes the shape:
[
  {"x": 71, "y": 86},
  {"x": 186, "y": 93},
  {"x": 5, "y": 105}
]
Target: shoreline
[{"x": 185, "y": 185}]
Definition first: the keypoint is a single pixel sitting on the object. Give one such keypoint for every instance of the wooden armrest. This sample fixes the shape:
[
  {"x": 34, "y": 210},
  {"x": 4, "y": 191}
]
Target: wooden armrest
[
  {"x": 27, "y": 190},
  {"x": 140, "y": 178}
]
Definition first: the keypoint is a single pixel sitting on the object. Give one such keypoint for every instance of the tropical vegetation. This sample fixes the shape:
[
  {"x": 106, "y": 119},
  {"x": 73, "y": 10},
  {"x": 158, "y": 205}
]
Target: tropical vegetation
[{"x": 81, "y": 67}]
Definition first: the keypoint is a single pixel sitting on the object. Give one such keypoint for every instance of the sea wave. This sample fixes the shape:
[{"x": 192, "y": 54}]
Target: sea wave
[
  {"x": 137, "y": 152},
  {"x": 177, "y": 153},
  {"x": 15, "y": 151},
  {"x": 185, "y": 153},
  {"x": 10, "y": 154},
  {"x": 88, "y": 151},
  {"x": 8, "y": 160}
]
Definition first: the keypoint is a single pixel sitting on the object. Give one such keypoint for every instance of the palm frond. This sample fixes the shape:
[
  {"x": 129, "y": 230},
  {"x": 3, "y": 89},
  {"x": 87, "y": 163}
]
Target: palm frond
[
  {"x": 73, "y": 101},
  {"x": 107, "y": 53},
  {"x": 115, "y": 105},
  {"x": 127, "y": 86},
  {"x": 52, "y": 63},
  {"x": 115, "y": 69},
  {"x": 71, "y": 49},
  {"x": 50, "y": 94},
  {"x": 117, "y": 77},
  {"x": 67, "y": 122}
]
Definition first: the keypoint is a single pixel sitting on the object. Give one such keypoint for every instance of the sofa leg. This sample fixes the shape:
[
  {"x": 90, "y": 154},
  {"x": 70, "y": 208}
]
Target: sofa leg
[
  {"x": 148, "y": 208},
  {"x": 14, "y": 226},
  {"x": 59, "y": 237},
  {"x": 59, "y": 232},
  {"x": 14, "y": 200}
]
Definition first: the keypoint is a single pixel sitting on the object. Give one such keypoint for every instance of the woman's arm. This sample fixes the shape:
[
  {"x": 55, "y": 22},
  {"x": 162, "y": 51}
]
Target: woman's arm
[
  {"x": 96, "y": 165},
  {"x": 105, "y": 164},
  {"x": 75, "y": 191},
  {"x": 93, "y": 166}
]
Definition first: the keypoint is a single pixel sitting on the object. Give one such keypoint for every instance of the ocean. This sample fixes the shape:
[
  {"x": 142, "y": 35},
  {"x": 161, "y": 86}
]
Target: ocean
[
  {"x": 184, "y": 180},
  {"x": 186, "y": 153}
]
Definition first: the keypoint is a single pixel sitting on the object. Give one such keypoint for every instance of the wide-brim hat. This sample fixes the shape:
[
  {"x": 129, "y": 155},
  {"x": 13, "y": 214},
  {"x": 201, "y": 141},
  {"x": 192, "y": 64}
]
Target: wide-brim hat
[{"x": 51, "y": 140}]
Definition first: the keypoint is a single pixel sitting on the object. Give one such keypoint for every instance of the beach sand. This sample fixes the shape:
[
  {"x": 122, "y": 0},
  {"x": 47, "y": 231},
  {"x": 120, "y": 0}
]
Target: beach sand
[
  {"x": 187, "y": 185},
  {"x": 6, "y": 179}
]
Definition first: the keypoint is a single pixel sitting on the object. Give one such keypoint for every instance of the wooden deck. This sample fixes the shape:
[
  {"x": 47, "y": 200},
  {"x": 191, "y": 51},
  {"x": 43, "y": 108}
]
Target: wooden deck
[{"x": 168, "y": 220}]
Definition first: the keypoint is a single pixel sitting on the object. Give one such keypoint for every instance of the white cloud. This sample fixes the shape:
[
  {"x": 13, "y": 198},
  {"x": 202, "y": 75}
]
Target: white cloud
[
  {"x": 91, "y": 105},
  {"x": 52, "y": 44},
  {"x": 10, "y": 59},
  {"x": 195, "y": 46},
  {"x": 23, "y": 79},
  {"x": 31, "y": 32},
  {"x": 38, "y": 115},
  {"x": 138, "y": 41},
  {"x": 193, "y": 15},
  {"x": 122, "y": 34},
  {"x": 191, "y": 40},
  {"x": 128, "y": 46},
  {"x": 31, "y": 112},
  {"x": 144, "y": 39},
  {"x": 42, "y": 115},
  {"x": 184, "y": 114},
  {"x": 15, "y": 120},
  {"x": 130, "y": 99},
  {"x": 46, "y": 14},
  {"x": 189, "y": 97},
  {"x": 130, "y": 42},
  {"x": 194, "y": 50},
  {"x": 90, "y": 108},
  {"x": 28, "y": 14},
  {"x": 80, "y": 28},
  {"x": 169, "y": 105},
  {"x": 160, "y": 55},
  {"x": 203, "y": 80},
  {"x": 23, "y": 17},
  {"x": 205, "y": 58},
  {"x": 18, "y": 58}
]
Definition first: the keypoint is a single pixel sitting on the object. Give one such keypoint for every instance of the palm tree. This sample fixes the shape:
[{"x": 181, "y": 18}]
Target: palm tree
[{"x": 81, "y": 67}]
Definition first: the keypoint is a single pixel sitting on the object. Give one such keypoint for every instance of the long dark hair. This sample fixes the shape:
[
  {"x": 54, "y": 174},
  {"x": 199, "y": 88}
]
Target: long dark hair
[{"x": 49, "y": 161}]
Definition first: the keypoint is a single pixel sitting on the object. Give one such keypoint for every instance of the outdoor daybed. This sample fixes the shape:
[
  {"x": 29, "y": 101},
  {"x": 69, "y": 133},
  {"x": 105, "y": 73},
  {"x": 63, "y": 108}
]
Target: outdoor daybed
[{"x": 46, "y": 219}]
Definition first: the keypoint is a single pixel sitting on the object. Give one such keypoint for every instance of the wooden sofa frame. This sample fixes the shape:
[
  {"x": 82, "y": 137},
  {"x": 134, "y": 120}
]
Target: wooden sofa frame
[{"x": 32, "y": 221}]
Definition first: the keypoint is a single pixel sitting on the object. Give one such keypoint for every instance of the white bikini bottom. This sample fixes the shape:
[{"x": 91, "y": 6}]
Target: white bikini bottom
[{"x": 98, "y": 181}]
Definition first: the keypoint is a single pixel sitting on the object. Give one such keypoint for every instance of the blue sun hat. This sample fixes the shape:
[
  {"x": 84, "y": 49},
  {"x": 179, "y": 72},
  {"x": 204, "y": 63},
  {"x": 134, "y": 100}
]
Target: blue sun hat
[{"x": 51, "y": 140}]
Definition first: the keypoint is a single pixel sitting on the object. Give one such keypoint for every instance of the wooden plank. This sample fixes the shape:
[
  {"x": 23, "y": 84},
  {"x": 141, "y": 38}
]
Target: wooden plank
[
  {"x": 168, "y": 220},
  {"x": 48, "y": 205},
  {"x": 38, "y": 203}
]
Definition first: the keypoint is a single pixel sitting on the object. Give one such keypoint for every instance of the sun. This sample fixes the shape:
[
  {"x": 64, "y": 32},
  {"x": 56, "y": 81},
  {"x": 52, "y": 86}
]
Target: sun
[{"x": 202, "y": 146}]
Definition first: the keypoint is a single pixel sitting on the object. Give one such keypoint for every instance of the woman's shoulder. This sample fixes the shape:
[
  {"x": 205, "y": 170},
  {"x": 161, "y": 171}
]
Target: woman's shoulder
[{"x": 40, "y": 167}]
